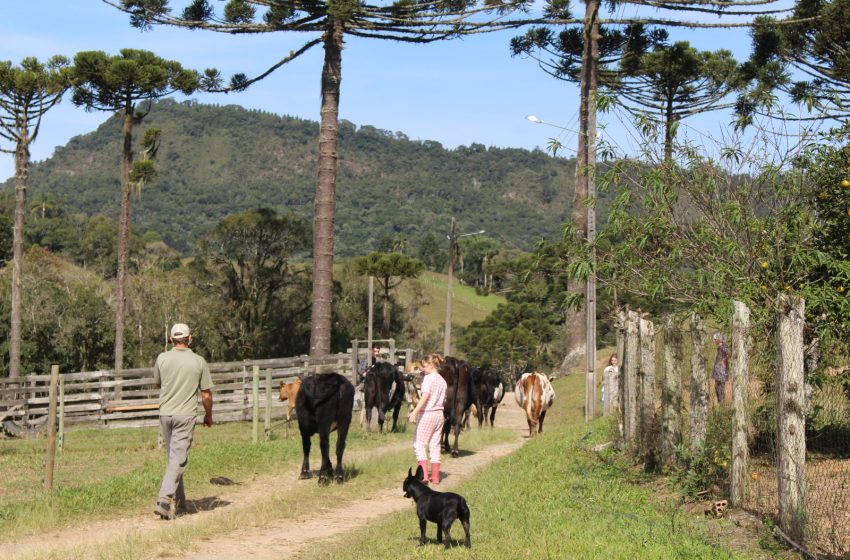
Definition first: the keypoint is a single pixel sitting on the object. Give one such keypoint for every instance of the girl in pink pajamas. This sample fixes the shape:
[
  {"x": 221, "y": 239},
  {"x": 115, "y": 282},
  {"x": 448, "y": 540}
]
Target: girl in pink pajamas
[{"x": 428, "y": 416}]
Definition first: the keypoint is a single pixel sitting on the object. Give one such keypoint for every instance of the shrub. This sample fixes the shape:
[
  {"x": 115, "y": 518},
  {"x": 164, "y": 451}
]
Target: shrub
[{"x": 704, "y": 468}]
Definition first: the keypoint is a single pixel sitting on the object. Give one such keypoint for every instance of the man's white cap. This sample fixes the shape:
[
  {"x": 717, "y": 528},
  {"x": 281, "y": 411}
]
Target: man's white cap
[{"x": 180, "y": 330}]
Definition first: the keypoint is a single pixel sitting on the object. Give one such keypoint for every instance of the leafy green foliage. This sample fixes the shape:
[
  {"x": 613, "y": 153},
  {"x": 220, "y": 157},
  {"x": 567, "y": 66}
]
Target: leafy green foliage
[
  {"x": 109, "y": 83},
  {"x": 700, "y": 235},
  {"x": 513, "y": 338},
  {"x": 27, "y": 92},
  {"x": 676, "y": 81},
  {"x": 68, "y": 321},
  {"x": 706, "y": 467},
  {"x": 826, "y": 256},
  {"x": 390, "y": 270},
  {"x": 433, "y": 256},
  {"x": 251, "y": 255},
  {"x": 476, "y": 252},
  {"x": 812, "y": 40}
]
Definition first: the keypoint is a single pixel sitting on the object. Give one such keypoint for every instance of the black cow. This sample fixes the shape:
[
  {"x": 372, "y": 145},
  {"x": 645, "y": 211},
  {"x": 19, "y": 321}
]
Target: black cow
[
  {"x": 460, "y": 395},
  {"x": 324, "y": 404},
  {"x": 489, "y": 392},
  {"x": 383, "y": 388}
]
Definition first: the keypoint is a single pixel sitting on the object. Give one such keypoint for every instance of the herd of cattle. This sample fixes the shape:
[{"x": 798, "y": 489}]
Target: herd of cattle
[{"x": 325, "y": 402}]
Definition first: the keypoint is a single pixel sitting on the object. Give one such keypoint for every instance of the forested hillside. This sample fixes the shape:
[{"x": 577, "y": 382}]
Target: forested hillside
[{"x": 218, "y": 160}]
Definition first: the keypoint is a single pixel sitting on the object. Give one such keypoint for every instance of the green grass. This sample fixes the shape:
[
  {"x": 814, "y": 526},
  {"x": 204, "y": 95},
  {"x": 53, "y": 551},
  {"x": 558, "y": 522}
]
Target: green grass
[
  {"x": 104, "y": 473},
  {"x": 467, "y": 306},
  {"x": 367, "y": 475},
  {"x": 551, "y": 499}
]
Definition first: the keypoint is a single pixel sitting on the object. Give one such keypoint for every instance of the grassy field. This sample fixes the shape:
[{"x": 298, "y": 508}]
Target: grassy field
[
  {"x": 105, "y": 489},
  {"x": 108, "y": 473},
  {"x": 467, "y": 306},
  {"x": 551, "y": 499}
]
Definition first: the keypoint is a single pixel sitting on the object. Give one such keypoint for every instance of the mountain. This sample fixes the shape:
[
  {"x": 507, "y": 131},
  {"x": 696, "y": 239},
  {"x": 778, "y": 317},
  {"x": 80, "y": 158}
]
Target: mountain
[{"x": 219, "y": 160}]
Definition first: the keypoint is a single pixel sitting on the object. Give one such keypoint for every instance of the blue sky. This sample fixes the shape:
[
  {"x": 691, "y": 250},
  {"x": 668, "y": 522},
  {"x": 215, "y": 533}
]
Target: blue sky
[{"x": 455, "y": 92}]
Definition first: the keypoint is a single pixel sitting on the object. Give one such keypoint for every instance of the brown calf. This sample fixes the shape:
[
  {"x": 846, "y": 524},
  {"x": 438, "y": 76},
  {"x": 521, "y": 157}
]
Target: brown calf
[{"x": 288, "y": 392}]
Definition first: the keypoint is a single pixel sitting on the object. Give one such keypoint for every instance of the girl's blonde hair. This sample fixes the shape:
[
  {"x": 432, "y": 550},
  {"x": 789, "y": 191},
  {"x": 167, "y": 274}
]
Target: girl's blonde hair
[
  {"x": 435, "y": 360},
  {"x": 611, "y": 357}
]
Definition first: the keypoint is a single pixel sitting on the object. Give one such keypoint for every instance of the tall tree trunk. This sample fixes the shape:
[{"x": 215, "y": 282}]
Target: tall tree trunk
[
  {"x": 576, "y": 322},
  {"x": 385, "y": 319},
  {"x": 22, "y": 158},
  {"x": 669, "y": 123},
  {"x": 323, "y": 220},
  {"x": 123, "y": 237}
]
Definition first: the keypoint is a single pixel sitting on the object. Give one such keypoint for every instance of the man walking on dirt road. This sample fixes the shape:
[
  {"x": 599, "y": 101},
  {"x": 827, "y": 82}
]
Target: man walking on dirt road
[{"x": 180, "y": 374}]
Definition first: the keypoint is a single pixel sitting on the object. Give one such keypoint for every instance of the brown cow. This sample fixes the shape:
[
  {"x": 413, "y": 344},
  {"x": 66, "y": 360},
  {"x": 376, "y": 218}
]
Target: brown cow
[
  {"x": 460, "y": 395},
  {"x": 534, "y": 394},
  {"x": 288, "y": 392}
]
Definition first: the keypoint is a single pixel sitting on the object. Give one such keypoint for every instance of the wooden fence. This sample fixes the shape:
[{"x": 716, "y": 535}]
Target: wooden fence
[
  {"x": 770, "y": 472},
  {"x": 129, "y": 398}
]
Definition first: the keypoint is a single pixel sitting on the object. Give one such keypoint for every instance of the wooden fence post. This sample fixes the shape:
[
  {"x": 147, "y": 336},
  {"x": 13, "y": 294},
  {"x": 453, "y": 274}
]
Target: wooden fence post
[
  {"x": 671, "y": 391},
  {"x": 355, "y": 362},
  {"x": 790, "y": 418},
  {"x": 628, "y": 380},
  {"x": 739, "y": 373},
  {"x": 268, "y": 426},
  {"x": 646, "y": 386},
  {"x": 699, "y": 383},
  {"x": 244, "y": 383},
  {"x": 255, "y": 392},
  {"x": 51, "y": 428},
  {"x": 61, "y": 441}
]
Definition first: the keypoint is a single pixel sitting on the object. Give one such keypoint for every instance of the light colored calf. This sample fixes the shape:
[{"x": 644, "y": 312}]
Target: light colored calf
[
  {"x": 288, "y": 392},
  {"x": 534, "y": 394}
]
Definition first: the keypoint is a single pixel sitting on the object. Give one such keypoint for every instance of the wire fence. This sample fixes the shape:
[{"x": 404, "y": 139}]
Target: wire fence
[{"x": 766, "y": 440}]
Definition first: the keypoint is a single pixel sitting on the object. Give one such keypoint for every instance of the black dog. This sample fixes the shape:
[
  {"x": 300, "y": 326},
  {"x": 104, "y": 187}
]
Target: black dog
[{"x": 441, "y": 508}]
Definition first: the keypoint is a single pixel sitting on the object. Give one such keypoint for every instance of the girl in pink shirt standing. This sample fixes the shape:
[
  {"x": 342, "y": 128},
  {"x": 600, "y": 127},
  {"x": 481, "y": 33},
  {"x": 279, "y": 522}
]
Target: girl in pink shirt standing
[{"x": 428, "y": 416}]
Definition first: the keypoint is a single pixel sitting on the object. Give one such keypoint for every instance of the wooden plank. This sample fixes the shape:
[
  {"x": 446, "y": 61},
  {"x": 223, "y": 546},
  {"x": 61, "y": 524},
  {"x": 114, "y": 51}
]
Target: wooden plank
[{"x": 133, "y": 407}]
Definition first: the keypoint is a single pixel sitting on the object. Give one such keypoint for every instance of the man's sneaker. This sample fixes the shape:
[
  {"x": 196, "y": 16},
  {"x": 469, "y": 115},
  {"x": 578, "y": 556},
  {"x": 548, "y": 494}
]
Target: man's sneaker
[{"x": 163, "y": 510}]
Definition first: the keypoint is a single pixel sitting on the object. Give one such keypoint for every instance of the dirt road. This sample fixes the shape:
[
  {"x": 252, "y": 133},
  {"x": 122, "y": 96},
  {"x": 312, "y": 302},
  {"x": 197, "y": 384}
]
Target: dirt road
[{"x": 278, "y": 539}]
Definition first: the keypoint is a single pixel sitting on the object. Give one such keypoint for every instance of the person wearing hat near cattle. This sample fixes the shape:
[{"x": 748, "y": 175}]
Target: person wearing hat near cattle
[{"x": 180, "y": 374}]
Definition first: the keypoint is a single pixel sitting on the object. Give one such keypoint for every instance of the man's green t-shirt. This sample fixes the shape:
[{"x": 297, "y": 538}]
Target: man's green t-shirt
[{"x": 180, "y": 373}]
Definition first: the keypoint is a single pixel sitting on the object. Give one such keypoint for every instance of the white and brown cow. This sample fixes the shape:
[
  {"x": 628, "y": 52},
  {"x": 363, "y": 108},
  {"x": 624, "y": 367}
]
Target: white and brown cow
[{"x": 534, "y": 394}]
